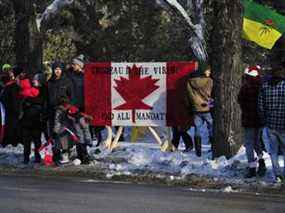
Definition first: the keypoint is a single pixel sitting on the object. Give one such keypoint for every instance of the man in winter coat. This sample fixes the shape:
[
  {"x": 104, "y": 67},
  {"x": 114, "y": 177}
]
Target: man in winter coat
[
  {"x": 199, "y": 89},
  {"x": 247, "y": 99},
  {"x": 76, "y": 75},
  {"x": 271, "y": 105}
]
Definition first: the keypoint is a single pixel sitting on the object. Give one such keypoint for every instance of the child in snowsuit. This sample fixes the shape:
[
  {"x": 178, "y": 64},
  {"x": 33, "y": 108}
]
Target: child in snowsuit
[{"x": 70, "y": 123}]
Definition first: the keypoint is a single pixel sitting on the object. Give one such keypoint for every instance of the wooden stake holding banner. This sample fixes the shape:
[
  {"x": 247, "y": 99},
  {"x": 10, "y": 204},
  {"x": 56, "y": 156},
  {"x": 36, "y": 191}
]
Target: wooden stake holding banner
[
  {"x": 165, "y": 146},
  {"x": 117, "y": 137},
  {"x": 111, "y": 142},
  {"x": 108, "y": 141}
]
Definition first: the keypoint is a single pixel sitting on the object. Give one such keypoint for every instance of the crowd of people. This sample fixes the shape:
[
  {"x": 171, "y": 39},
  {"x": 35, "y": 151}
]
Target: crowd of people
[
  {"x": 52, "y": 103},
  {"x": 262, "y": 103}
]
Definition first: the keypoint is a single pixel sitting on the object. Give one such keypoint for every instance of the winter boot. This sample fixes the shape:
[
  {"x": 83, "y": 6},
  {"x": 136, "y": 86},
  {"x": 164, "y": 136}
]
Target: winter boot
[
  {"x": 187, "y": 150},
  {"x": 250, "y": 173},
  {"x": 175, "y": 143},
  {"x": 85, "y": 156},
  {"x": 56, "y": 156},
  {"x": 187, "y": 141},
  {"x": 64, "y": 158},
  {"x": 197, "y": 141},
  {"x": 261, "y": 168},
  {"x": 82, "y": 153}
]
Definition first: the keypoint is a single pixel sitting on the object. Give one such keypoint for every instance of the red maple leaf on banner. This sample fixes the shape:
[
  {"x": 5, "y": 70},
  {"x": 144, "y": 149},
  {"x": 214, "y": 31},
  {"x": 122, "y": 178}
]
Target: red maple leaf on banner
[{"x": 134, "y": 90}]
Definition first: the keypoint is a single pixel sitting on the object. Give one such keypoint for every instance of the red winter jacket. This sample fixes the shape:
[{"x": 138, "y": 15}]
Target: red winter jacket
[{"x": 27, "y": 91}]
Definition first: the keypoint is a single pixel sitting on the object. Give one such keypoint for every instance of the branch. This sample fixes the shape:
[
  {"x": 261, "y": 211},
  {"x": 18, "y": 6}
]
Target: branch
[
  {"x": 52, "y": 9},
  {"x": 197, "y": 41}
]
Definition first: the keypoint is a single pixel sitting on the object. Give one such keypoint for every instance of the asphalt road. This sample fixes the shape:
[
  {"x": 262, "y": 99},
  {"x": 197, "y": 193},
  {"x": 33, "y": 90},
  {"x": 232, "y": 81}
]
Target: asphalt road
[{"x": 62, "y": 195}]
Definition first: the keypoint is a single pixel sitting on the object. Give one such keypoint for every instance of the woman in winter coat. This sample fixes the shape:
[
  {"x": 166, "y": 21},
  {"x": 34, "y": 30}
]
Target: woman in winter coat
[
  {"x": 248, "y": 101},
  {"x": 58, "y": 86},
  {"x": 32, "y": 123}
]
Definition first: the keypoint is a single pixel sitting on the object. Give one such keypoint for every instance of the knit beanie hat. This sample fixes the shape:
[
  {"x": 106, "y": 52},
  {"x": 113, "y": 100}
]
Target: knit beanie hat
[
  {"x": 6, "y": 67},
  {"x": 79, "y": 60},
  {"x": 252, "y": 71},
  {"x": 57, "y": 64}
]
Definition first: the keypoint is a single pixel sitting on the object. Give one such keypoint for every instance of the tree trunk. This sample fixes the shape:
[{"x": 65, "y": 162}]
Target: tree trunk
[
  {"x": 28, "y": 42},
  {"x": 226, "y": 65}
]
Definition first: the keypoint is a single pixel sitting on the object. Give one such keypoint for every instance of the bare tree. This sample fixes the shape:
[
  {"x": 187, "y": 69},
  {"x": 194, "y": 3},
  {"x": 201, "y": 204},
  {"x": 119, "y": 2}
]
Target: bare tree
[{"x": 28, "y": 42}]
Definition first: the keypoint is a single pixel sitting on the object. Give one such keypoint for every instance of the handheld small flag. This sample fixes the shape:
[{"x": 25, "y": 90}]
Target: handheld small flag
[
  {"x": 46, "y": 151},
  {"x": 72, "y": 135}
]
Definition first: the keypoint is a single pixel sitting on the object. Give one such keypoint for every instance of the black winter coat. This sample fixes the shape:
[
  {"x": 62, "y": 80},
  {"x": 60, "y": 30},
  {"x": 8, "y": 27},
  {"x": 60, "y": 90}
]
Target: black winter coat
[
  {"x": 12, "y": 104},
  {"x": 77, "y": 80},
  {"x": 34, "y": 110},
  {"x": 58, "y": 88},
  {"x": 247, "y": 99}
]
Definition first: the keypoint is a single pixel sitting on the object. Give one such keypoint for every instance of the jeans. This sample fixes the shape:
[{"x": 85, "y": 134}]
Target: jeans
[
  {"x": 276, "y": 139},
  {"x": 266, "y": 139},
  {"x": 199, "y": 120},
  {"x": 252, "y": 143}
]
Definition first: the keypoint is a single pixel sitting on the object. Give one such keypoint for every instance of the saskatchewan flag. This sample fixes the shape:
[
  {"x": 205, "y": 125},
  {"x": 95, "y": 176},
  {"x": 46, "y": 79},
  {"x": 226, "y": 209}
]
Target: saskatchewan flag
[{"x": 261, "y": 24}]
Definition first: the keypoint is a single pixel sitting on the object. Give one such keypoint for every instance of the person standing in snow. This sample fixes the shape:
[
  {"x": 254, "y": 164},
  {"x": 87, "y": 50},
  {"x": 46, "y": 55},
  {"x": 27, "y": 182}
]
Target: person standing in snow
[
  {"x": 247, "y": 99},
  {"x": 32, "y": 125},
  {"x": 199, "y": 89},
  {"x": 9, "y": 99},
  {"x": 59, "y": 85},
  {"x": 271, "y": 105},
  {"x": 76, "y": 74}
]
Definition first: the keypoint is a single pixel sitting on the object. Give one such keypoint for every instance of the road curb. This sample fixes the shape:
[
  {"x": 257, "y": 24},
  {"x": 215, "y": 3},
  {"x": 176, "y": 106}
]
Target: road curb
[{"x": 193, "y": 181}]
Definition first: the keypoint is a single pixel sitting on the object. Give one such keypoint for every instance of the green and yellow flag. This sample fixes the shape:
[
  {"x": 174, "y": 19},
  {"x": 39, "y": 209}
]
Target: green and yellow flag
[{"x": 261, "y": 24}]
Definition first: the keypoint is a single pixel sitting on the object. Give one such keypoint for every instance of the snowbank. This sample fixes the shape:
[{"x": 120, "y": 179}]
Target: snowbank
[{"x": 145, "y": 157}]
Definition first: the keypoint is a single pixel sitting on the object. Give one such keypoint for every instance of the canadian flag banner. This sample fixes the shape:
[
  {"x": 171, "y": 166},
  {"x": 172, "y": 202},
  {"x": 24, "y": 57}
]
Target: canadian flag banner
[{"x": 138, "y": 94}]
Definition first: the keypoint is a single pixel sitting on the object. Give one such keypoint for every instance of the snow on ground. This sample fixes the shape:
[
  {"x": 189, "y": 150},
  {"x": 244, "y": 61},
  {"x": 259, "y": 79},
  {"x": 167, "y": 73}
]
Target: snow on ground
[
  {"x": 141, "y": 157},
  {"x": 145, "y": 156}
]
